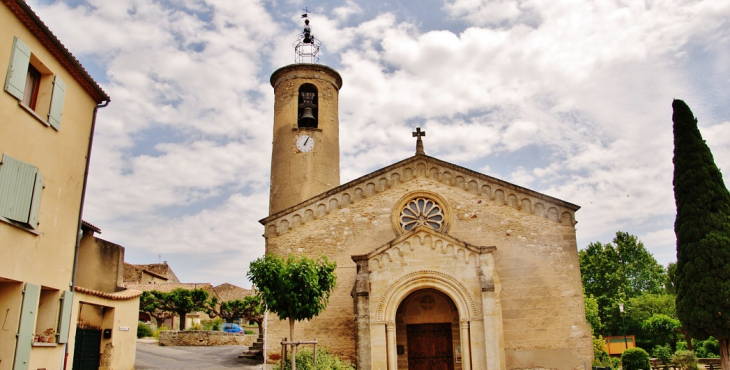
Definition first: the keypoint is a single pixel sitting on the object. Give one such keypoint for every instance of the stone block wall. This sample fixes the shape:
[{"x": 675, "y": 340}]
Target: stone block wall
[{"x": 205, "y": 338}]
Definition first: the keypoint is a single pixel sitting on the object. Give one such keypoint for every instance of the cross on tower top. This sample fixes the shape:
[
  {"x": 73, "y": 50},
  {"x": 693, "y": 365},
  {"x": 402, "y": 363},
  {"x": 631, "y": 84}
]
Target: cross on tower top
[{"x": 419, "y": 143}]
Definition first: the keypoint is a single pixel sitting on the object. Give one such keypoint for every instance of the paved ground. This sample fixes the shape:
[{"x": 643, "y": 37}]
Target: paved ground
[{"x": 152, "y": 356}]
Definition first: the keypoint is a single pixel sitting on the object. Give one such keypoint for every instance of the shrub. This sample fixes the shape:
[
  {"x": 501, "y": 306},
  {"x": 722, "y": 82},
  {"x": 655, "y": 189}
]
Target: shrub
[
  {"x": 686, "y": 360},
  {"x": 143, "y": 331},
  {"x": 248, "y": 331},
  {"x": 663, "y": 353},
  {"x": 325, "y": 361},
  {"x": 600, "y": 356},
  {"x": 635, "y": 359},
  {"x": 709, "y": 348},
  {"x": 214, "y": 324},
  {"x": 156, "y": 334},
  {"x": 194, "y": 327}
]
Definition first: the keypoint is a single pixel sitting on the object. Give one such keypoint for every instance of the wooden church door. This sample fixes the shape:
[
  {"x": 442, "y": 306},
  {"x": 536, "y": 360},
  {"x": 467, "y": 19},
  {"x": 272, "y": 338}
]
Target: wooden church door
[{"x": 430, "y": 347}]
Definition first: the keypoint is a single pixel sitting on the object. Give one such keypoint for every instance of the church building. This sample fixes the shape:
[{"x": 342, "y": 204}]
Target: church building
[{"x": 438, "y": 266}]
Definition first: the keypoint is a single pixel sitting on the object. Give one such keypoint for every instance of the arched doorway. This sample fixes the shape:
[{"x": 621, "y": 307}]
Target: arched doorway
[{"x": 427, "y": 332}]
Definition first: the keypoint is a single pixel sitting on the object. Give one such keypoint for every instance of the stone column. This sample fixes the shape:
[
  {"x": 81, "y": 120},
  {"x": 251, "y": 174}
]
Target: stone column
[
  {"x": 465, "y": 352},
  {"x": 361, "y": 302},
  {"x": 390, "y": 337}
]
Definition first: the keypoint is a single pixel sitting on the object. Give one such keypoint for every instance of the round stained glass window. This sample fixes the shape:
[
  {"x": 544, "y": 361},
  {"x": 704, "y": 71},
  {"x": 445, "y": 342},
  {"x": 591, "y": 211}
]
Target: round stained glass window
[{"x": 422, "y": 212}]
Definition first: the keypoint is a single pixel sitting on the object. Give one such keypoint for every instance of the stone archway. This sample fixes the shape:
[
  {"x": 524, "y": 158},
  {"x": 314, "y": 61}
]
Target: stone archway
[
  {"x": 461, "y": 308},
  {"x": 427, "y": 332}
]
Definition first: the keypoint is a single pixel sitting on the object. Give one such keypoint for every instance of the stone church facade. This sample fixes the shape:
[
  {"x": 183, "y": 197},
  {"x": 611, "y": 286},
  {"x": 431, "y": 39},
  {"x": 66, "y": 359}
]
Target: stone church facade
[{"x": 438, "y": 266}]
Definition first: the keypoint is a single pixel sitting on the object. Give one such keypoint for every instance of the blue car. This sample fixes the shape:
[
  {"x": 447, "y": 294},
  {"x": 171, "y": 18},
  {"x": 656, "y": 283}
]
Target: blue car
[{"x": 232, "y": 328}]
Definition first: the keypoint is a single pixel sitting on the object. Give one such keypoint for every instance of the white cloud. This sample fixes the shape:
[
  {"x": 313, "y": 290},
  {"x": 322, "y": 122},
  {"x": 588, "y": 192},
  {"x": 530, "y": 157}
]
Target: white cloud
[{"x": 184, "y": 147}]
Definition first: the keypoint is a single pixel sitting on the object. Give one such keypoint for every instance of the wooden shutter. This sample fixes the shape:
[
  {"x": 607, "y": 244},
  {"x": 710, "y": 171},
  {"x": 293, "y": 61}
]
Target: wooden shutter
[
  {"x": 17, "y": 182},
  {"x": 27, "y": 324},
  {"x": 35, "y": 203},
  {"x": 18, "y": 69},
  {"x": 64, "y": 321},
  {"x": 57, "y": 98}
]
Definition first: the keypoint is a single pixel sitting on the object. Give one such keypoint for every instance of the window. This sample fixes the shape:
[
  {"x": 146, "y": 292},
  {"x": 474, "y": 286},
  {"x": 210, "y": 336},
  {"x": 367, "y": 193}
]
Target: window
[
  {"x": 34, "y": 85},
  {"x": 308, "y": 110},
  {"x": 422, "y": 212},
  {"x": 20, "y": 191}
]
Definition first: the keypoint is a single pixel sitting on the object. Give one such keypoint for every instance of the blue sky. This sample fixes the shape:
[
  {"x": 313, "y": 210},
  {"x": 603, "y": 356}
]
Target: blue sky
[{"x": 567, "y": 97}]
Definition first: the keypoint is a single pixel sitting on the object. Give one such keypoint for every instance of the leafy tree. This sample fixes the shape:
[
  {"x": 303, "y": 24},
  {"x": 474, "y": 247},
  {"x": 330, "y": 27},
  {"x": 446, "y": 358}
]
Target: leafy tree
[
  {"x": 231, "y": 310},
  {"x": 592, "y": 316},
  {"x": 253, "y": 310},
  {"x": 600, "y": 356},
  {"x": 641, "y": 309},
  {"x": 180, "y": 301},
  {"x": 671, "y": 286},
  {"x": 664, "y": 327},
  {"x": 250, "y": 308},
  {"x": 295, "y": 288},
  {"x": 613, "y": 273},
  {"x": 702, "y": 227},
  {"x": 149, "y": 303}
]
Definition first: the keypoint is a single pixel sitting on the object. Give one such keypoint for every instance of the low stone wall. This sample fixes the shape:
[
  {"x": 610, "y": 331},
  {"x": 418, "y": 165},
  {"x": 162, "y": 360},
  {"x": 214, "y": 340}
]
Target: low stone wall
[{"x": 204, "y": 338}]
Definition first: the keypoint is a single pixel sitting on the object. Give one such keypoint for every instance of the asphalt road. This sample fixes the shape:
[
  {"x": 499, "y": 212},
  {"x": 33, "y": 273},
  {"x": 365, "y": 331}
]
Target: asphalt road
[{"x": 152, "y": 356}]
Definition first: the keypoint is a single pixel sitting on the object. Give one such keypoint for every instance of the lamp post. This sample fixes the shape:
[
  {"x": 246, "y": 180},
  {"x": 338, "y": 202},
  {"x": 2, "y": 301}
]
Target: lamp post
[{"x": 621, "y": 309}]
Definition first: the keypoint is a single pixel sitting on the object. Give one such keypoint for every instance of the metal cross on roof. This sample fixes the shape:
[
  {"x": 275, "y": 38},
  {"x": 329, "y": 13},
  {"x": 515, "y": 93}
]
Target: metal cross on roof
[{"x": 419, "y": 143}]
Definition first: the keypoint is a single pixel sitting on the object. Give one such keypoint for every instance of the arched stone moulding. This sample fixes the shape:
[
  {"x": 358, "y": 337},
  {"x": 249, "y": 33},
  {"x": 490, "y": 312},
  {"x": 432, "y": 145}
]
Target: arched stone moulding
[
  {"x": 385, "y": 179},
  {"x": 417, "y": 280}
]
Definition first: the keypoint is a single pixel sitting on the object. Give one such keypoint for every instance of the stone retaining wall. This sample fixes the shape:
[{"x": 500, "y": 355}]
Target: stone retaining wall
[{"x": 204, "y": 338}]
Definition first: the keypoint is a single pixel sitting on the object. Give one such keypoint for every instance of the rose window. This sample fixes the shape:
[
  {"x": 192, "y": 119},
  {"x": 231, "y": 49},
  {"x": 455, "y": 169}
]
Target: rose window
[{"x": 422, "y": 211}]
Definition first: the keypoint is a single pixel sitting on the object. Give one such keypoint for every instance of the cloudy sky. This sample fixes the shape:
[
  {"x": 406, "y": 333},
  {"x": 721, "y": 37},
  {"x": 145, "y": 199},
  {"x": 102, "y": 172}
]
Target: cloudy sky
[{"x": 571, "y": 98}]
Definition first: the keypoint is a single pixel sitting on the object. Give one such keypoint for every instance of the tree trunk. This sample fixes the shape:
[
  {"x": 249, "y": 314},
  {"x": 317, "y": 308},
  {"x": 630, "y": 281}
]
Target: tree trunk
[
  {"x": 182, "y": 320},
  {"x": 260, "y": 324},
  {"x": 688, "y": 339},
  {"x": 293, "y": 348},
  {"x": 725, "y": 353}
]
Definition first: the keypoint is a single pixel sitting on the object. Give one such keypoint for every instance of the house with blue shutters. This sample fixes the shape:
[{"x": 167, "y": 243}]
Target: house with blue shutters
[{"x": 48, "y": 110}]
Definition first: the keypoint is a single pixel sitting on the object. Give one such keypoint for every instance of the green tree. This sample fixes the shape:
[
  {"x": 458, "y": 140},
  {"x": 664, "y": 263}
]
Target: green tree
[
  {"x": 180, "y": 301},
  {"x": 149, "y": 304},
  {"x": 702, "y": 227},
  {"x": 671, "y": 286},
  {"x": 249, "y": 308},
  {"x": 295, "y": 288},
  {"x": 613, "y": 273},
  {"x": 664, "y": 327},
  {"x": 591, "y": 305},
  {"x": 231, "y": 310}
]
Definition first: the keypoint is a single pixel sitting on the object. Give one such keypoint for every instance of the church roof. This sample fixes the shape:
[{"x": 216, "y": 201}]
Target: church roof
[{"x": 445, "y": 172}]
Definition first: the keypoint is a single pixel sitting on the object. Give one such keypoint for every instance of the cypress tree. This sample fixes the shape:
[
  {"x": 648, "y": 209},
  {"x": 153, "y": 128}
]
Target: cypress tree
[{"x": 702, "y": 227}]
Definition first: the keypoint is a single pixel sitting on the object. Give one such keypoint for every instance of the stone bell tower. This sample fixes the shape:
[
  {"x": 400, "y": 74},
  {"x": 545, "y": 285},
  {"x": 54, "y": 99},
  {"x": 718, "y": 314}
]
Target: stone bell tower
[{"x": 305, "y": 160}]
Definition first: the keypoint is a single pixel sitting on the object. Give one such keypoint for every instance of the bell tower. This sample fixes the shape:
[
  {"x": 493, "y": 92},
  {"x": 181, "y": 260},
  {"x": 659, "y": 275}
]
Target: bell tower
[{"x": 305, "y": 159}]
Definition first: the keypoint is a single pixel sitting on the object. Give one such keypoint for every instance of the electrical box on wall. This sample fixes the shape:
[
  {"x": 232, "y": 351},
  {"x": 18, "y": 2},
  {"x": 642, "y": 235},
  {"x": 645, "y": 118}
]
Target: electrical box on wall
[{"x": 107, "y": 333}]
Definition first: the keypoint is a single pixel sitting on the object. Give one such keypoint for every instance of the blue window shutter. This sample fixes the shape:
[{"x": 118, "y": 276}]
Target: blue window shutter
[
  {"x": 18, "y": 69},
  {"x": 64, "y": 321},
  {"x": 57, "y": 98},
  {"x": 17, "y": 181},
  {"x": 27, "y": 324}
]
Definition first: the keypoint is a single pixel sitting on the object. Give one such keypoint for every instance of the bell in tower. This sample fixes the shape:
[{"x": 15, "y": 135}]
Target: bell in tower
[{"x": 305, "y": 159}]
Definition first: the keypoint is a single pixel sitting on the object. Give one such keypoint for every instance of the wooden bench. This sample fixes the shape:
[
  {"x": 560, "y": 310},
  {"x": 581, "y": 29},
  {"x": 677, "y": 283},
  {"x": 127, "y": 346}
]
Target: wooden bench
[
  {"x": 712, "y": 363},
  {"x": 658, "y": 365}
]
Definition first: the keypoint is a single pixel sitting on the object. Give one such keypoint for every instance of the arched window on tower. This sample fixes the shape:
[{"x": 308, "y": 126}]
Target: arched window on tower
[{"x": 308, "y": 111}]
